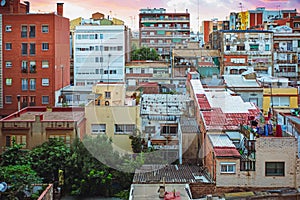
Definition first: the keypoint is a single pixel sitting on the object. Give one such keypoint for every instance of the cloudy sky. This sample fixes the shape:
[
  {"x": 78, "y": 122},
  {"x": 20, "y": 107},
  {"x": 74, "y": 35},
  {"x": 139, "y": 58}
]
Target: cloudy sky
[{"x": 127, "y": 10}]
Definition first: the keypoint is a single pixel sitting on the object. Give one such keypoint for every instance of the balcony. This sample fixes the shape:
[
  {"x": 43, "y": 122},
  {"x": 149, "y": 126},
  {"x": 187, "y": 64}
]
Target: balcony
[
  {"x": 165, "y": 36},
  {"x": 169, "y": 20},
  {"x": 286, "y": 74},
  {"x": 158, "y": 44},
  {"x": 15, "y": 125},
  {"x": 165, "y": 28},
  {"x": 59, "y": 125}
]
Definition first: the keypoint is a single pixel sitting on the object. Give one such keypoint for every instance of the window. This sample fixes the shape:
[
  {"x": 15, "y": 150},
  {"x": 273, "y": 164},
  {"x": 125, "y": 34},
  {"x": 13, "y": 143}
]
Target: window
[
  {"x": 32, "y": 49},
  {"x": 101, "y": 36},
  {"x": 32, "y": 31},
  {"x": 65, "y": 138},
  {"x": 24, "y": 66},
  {"x": 45, "y": 29},
  {"x": 32, "y": 83},
  {"x": 8, "y": 28},
  {"x": 298, "y": 43},
  {"x": 120, "y": 48},
  {"x": 8, "y": 46},
  {"x": 107, "y": 95},
  {"x": 24, "y": 84},
  {"x": 32, "y": 67},
  {"x": 254, "y": 47},
  {"x": 24, "y": 49},
  {"x": 45, "y": 99},
  {"x": 18, "y": 139},
  {"x": 8, "y": 64},
  {"x": 274, "y": 168},
  {"x": 106, "y": 48},
  {"x": 241, "y": 47},
  {"x": 267, "y": 47},
  {"x": 8, "y": 99},
  {"x": 169, "y": 129},
  {"x": 227, "y": 47},
  {"x": 24, "y": 31},
  {"x": 8, "y": 81},
  {"x": 45, "y": 64},
  {"x": 280, "y": 101},
  {"x": 227, "y": 168},
  {"x": 45, "y": 81},
  {"x": 98, "y": 128},
  {"x": 124, "y": 128},
  {"x": 45, "y": 46},
  {"x": 32, "y": 101}
]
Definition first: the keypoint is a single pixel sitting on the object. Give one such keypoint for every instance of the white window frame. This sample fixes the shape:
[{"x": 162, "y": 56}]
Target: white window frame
[
  {"x": 124, "y": 129},
  {"x": 98, "y": 128},
  {"x": 8, "y": 81},
  {"x": 228, "y": 170},
  {"x": 8, "y": 44},
  {"x": 8, "y": 64},
  {"x": 45, "y": 81},
  {"x": 45, "y": 64},
  {"x": 8, "y": 28},
  {"x": 280, "y": 101},
  {"x": 42, "y": 28}
]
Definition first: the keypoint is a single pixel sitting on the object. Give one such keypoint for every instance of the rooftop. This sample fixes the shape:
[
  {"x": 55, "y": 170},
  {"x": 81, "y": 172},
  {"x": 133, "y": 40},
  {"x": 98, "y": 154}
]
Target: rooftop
[
  {"x": 54, "y": 114},
  {"x": 239, "y": 81},
  {"x": 220, "y": 140},
  {"x": 170, "y": 173}
]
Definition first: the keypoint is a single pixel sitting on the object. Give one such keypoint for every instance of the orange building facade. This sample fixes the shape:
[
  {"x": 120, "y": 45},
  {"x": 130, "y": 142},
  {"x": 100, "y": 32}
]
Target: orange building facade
[{"x": 35, "y": 56}]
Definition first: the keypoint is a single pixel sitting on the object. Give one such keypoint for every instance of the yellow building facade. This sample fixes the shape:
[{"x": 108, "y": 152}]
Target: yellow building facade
[
  {"x": 279, "y": 98},
  {"x": 113, "y": 115}
]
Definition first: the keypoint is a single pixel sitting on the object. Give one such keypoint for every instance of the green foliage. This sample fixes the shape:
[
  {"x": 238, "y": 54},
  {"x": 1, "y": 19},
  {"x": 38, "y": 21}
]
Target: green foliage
[
  {"x": 144, "y": 53},
  {"x": 48, "y": 158},
  {"x": 15, "y": 155},
  {"x": 124, "y": 194},
  {"x": 19, "y": 178}
]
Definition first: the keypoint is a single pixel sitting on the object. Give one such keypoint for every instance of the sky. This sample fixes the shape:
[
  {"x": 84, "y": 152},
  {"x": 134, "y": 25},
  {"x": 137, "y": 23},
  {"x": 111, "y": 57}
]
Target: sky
[{"x": 128, "y": 10}]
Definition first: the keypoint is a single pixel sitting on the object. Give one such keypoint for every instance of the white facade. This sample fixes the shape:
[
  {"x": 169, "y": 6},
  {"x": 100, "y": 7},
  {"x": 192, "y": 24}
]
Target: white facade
[{"x": 99, "y": 54}]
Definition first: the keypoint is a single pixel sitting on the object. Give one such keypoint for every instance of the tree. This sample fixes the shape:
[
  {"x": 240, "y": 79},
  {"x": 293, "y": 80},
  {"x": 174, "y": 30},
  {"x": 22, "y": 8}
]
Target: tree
[
  {"x": 48, "y": 158},
  {"x": 144, "y": 53},
  {"x": 20, "y": 179},
  {"x": 15, "y": 155}
]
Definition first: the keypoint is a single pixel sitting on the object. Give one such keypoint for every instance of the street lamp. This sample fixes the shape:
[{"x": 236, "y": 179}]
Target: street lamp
[{"x": 19, "y": 103}]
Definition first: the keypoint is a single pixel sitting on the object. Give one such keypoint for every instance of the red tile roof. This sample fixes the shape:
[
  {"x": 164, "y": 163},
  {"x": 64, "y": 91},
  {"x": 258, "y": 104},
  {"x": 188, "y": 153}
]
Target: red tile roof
[{"x": 226, "y": 152}]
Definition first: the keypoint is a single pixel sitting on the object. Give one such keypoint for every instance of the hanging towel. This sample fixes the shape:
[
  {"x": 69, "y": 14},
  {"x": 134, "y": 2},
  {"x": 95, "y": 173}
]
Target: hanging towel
[
  {"x": 266, "y": 130},
  {"x": 278, "y": 131}
]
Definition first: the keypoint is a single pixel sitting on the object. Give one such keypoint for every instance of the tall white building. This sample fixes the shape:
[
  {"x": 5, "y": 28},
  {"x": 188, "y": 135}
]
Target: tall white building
[{"x": 99, "y": 54}]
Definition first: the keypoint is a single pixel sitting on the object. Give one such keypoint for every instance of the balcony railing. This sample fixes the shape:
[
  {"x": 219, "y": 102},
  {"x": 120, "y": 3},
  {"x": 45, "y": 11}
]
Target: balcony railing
[
  {"x": 15, "y": 125},
  {"x": 165, "y": 28},
  {"x": 59, "y": 125},
  {"x": 165, "y": 36}
]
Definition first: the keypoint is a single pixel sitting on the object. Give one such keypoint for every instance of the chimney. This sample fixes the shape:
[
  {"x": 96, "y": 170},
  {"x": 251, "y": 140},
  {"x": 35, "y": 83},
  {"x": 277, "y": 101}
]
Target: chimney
[
  {"x": 16, "y": 6},
  {"x": 60, "y": 9},
  {"x": 27, "y": 6}
]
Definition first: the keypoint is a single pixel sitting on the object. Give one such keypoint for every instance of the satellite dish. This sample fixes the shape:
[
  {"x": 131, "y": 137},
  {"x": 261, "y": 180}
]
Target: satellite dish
[
  {"x": 3, "y": 185},
  {"x": 3, "y": 2}
]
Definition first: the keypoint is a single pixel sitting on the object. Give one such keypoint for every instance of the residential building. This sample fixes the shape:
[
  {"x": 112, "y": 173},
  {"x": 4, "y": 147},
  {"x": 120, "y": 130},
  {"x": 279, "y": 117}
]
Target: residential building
[
  {"x": 205, "y": 61},
  {"x": 161, "y": 30},
  {"x": 243, "y": 50},
  {"x": 278, "y": 94},
  {"x": 160, "y": 117},
  {"x": 99, "y": 54},
  {"x": 35, "y": 57},
  {"x": 113, "y": 114},
  {"x": 256, "y": 19},
  {"x": 245, "y": 86},
  {"x": 208, "y": 26},
  {"x": 286, "y": 53},
  {"x": 33, "y": 126}
]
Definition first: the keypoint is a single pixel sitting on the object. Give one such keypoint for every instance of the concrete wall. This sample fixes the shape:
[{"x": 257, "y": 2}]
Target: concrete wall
[{"x": 111, "y": 115}]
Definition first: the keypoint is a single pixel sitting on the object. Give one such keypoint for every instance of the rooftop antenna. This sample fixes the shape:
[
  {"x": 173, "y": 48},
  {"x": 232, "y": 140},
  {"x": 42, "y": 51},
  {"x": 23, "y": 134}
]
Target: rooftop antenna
[{"x": 241, "y": 6}]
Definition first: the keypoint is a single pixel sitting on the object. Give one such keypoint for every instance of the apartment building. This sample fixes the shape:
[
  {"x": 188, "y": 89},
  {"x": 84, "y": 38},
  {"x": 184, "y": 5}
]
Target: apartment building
[
  {"x": 35, "y": 61},
  {"x": 99, "y": 54},
  {"x": 244, "y": 50},
  {"x": 33, "y": 126},
  {"x": 286, "y": 53},
  {"x": 255, "y": 19},
  {"x": 161, "y": 30},
  {"x": 208, "y": 26}
]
